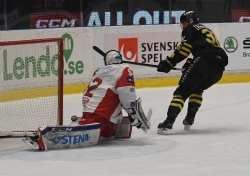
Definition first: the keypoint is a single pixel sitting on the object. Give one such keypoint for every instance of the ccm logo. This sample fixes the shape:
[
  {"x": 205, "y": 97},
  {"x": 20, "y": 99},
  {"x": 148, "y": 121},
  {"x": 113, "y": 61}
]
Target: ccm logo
[{"x": 61, "y": 129}]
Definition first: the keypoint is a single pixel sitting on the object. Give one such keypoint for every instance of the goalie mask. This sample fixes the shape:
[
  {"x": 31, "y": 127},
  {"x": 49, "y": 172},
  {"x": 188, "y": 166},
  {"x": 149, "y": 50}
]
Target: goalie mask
[
  {"x": 190, "y": 17},
  {"x": 113, "y": 57}
]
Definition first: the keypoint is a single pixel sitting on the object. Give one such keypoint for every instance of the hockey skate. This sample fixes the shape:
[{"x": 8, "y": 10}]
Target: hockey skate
[
  {"x": 167, "y": 125},
  {"x": 164, "y": 127},
  {"x": 32, "y": 141},
  {"x": 188, "y": 122}
]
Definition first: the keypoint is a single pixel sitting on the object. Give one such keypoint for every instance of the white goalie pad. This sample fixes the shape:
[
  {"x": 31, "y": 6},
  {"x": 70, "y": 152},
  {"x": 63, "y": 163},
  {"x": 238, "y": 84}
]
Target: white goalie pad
[
  {"x": 140, "y": 115},
  {"x": 123, "y": 129},
  {"x": 62, "y": 137}
]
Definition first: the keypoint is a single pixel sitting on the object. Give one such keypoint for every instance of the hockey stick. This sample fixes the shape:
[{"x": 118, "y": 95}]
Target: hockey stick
[
  {"x": 99, "y": 51},
  {"x": 148, "y": 65},
  {"x": 134, "y": 63}
]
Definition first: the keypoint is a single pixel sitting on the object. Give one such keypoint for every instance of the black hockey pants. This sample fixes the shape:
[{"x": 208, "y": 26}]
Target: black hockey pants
[{"x": 197, "y": 77}]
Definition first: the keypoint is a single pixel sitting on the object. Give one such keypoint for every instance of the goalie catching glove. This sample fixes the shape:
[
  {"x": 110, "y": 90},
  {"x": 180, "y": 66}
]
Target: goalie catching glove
[
  {"x": 137, "y": 117},
  {"x": 166, "y": 65}
]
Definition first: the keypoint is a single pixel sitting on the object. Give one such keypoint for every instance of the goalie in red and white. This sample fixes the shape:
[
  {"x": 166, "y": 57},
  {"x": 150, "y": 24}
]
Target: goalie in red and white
[{"x": 110, "y": 90}]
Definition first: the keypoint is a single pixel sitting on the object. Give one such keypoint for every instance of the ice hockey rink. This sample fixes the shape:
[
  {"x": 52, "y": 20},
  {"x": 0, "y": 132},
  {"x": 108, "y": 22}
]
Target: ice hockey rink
[{"x": 217, "y": 145}]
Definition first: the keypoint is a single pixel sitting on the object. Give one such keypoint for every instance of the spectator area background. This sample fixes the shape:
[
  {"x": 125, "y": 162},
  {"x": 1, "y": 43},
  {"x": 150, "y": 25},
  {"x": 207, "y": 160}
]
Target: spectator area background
[{"x": 23, "y": 14}]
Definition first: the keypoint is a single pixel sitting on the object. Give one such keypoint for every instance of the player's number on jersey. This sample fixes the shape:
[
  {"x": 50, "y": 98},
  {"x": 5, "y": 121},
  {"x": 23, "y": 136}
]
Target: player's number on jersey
[
  {"x": 130, "y": 72},
  {"x": 211, "y": 38},
  {"x": 90, "y": 88}
]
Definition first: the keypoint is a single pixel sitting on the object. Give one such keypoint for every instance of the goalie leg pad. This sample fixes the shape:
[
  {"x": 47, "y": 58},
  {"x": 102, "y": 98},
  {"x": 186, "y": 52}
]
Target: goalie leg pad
[
  {"x": 62, "y": 137},
  {"x": 123, "y": 129}
]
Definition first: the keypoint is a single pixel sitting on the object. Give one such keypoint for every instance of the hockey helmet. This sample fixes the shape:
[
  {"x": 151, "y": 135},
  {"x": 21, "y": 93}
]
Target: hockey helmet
[
  {"x": 189, "y": 14},
  {"x": 112, "y": 57}
]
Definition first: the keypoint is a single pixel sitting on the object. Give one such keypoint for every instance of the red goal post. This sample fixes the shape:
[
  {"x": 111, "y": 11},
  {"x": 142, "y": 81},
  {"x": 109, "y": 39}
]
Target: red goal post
[{"x": 31, "y": 85}]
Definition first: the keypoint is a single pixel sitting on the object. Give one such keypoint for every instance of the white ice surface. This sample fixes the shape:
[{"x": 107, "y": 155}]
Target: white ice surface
[{"x": 217, "y": 145}]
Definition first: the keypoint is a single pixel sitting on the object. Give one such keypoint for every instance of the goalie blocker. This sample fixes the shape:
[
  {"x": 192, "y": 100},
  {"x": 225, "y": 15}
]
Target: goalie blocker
[{"x": 137, "y": 116}]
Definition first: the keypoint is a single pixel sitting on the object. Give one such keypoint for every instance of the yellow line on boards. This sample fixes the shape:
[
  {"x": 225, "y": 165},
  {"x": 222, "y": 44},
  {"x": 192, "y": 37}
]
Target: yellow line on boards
[
  {"x": 79, "y": 88},
  {"x": 167, "y": 82}
]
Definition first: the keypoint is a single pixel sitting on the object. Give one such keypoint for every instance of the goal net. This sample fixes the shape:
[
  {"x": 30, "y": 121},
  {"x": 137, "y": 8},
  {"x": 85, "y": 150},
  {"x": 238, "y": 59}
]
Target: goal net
[{"x": 31, "y": 85}]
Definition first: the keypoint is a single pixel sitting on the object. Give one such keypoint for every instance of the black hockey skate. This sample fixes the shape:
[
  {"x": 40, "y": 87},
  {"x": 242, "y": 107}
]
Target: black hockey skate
[
  {"x": 188, "y": 122},
  {"x": 167, "y": 125}
]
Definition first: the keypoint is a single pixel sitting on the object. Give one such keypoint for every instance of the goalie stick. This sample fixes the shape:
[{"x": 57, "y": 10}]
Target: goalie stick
[{"x": 134, "y": 63}]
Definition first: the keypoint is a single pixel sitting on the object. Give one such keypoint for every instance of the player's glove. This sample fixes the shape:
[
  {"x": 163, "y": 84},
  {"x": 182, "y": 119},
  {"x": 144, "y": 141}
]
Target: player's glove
[
  {"x": 165, "y": 65},
  {"x": 187, "y": 63},
  {"x": 133, "y": 121}
]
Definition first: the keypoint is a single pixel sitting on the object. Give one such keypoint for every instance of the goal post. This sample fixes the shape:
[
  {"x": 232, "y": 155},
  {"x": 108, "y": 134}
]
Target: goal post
[{"x": 31, "y": 85}]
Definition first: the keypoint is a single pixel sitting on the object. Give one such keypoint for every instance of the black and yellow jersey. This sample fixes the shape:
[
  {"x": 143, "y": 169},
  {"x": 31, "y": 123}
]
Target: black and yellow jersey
[{"x": 201, "y": 42}]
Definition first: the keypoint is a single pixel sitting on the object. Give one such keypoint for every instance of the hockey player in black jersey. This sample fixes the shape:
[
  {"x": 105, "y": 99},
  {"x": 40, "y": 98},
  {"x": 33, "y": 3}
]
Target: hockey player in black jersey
[{"x": 204, "y": 70}]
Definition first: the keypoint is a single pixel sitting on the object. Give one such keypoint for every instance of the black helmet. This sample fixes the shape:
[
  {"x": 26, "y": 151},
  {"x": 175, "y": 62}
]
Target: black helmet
[{"x": 189, "y": 14}]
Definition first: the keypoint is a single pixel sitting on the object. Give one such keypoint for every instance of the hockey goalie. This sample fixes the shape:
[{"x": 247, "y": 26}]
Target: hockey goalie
[{"x": 111, "y": 90}]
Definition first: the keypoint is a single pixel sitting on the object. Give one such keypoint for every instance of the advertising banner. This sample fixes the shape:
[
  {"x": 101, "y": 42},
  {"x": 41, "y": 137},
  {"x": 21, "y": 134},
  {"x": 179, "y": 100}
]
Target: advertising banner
[
  {"x": 141, "y": 44},
  {"x": 143, "y": 47},
  {"x": 54, "y": 20},
  {"x": 235, "y": 39},
  {"x": 78, "y": 54}
]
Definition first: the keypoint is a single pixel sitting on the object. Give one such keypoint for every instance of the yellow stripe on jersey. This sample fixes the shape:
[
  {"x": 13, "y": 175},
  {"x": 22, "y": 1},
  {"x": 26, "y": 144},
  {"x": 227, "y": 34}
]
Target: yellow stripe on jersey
[
  {"x": 186, "y": 49},
  {"x": 184, "y": 54},
  {"x": 188, "y": 45}
]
